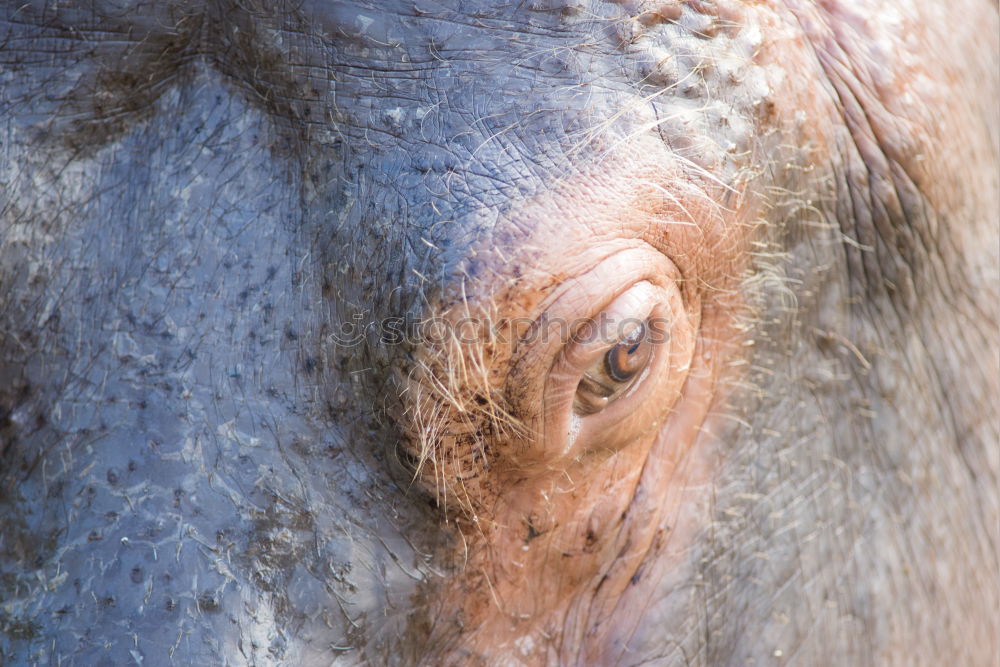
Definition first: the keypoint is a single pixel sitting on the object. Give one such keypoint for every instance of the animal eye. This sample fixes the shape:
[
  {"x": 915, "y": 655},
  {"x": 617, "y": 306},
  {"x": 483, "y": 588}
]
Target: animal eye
[
  {"x": 614, "y": 364},
  {"x": 615, "y": 372}
]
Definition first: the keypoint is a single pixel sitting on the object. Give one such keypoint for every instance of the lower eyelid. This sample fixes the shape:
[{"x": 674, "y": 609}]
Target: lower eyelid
[{"x": 595, "y": 386}]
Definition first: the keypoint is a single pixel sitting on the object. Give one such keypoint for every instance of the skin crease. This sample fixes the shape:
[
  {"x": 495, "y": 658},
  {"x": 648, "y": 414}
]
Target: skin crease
[
  {"x": 198, "y": 467},
  {"x": 586, "y": 512}
]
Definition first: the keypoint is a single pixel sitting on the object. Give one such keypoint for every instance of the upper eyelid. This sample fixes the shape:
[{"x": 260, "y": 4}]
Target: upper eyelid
[{"x": 606, "y": 342}]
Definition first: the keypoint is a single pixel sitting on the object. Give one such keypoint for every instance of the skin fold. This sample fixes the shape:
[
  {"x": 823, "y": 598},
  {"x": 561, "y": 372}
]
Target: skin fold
[{"x": 285, "y": 375}]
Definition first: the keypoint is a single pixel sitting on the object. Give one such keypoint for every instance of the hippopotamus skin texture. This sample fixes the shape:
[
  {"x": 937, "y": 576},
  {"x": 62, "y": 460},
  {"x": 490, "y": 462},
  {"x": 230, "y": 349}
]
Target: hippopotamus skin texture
[{"x": 241, "y": 246}]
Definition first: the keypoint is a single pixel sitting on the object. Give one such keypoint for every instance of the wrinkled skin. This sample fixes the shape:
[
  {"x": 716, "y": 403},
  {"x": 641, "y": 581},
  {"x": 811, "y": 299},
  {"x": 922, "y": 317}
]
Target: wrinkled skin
[{"x": 197, "y": 201}]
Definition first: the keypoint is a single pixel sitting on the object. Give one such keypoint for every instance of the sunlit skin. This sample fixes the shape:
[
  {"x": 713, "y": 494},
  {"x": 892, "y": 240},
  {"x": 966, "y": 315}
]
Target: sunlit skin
[{"x": 590, "y": 503}]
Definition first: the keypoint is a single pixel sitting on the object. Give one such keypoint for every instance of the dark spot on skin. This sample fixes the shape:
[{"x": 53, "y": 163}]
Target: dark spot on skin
[
  {"x": 132, "y": 466},
  {"x": 532, "y": 531},
  {"x": 300, "y": 447},
  {"x": 94, "y": 536},
  {"x": 207, "y": 603},
  {"x": 169, "y": 604},
  {"x": 112, "y": 476},
  {"x": 136, "y": 575},
  {"x": 290, "y": 334},
  {"x": 310, "y": 364},
  {"x": 271, "y": 272},
  {"x": 106, "y": 602},
  {"x": 18, "y": 628}
]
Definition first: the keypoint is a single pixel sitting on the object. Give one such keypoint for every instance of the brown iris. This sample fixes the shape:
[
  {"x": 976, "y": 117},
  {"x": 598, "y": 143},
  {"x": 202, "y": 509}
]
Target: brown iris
[
  {"x": 627, "y": 358},
  {"x": 614, "y": 373}
]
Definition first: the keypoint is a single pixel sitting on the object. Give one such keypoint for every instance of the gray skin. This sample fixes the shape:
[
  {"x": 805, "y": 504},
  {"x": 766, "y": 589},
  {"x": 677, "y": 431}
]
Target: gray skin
[{"x": 197, "y": 202}]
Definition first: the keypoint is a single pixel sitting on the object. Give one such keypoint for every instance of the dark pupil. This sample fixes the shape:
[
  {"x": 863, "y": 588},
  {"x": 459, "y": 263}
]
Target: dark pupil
[{"x": 628, "y": 357}]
